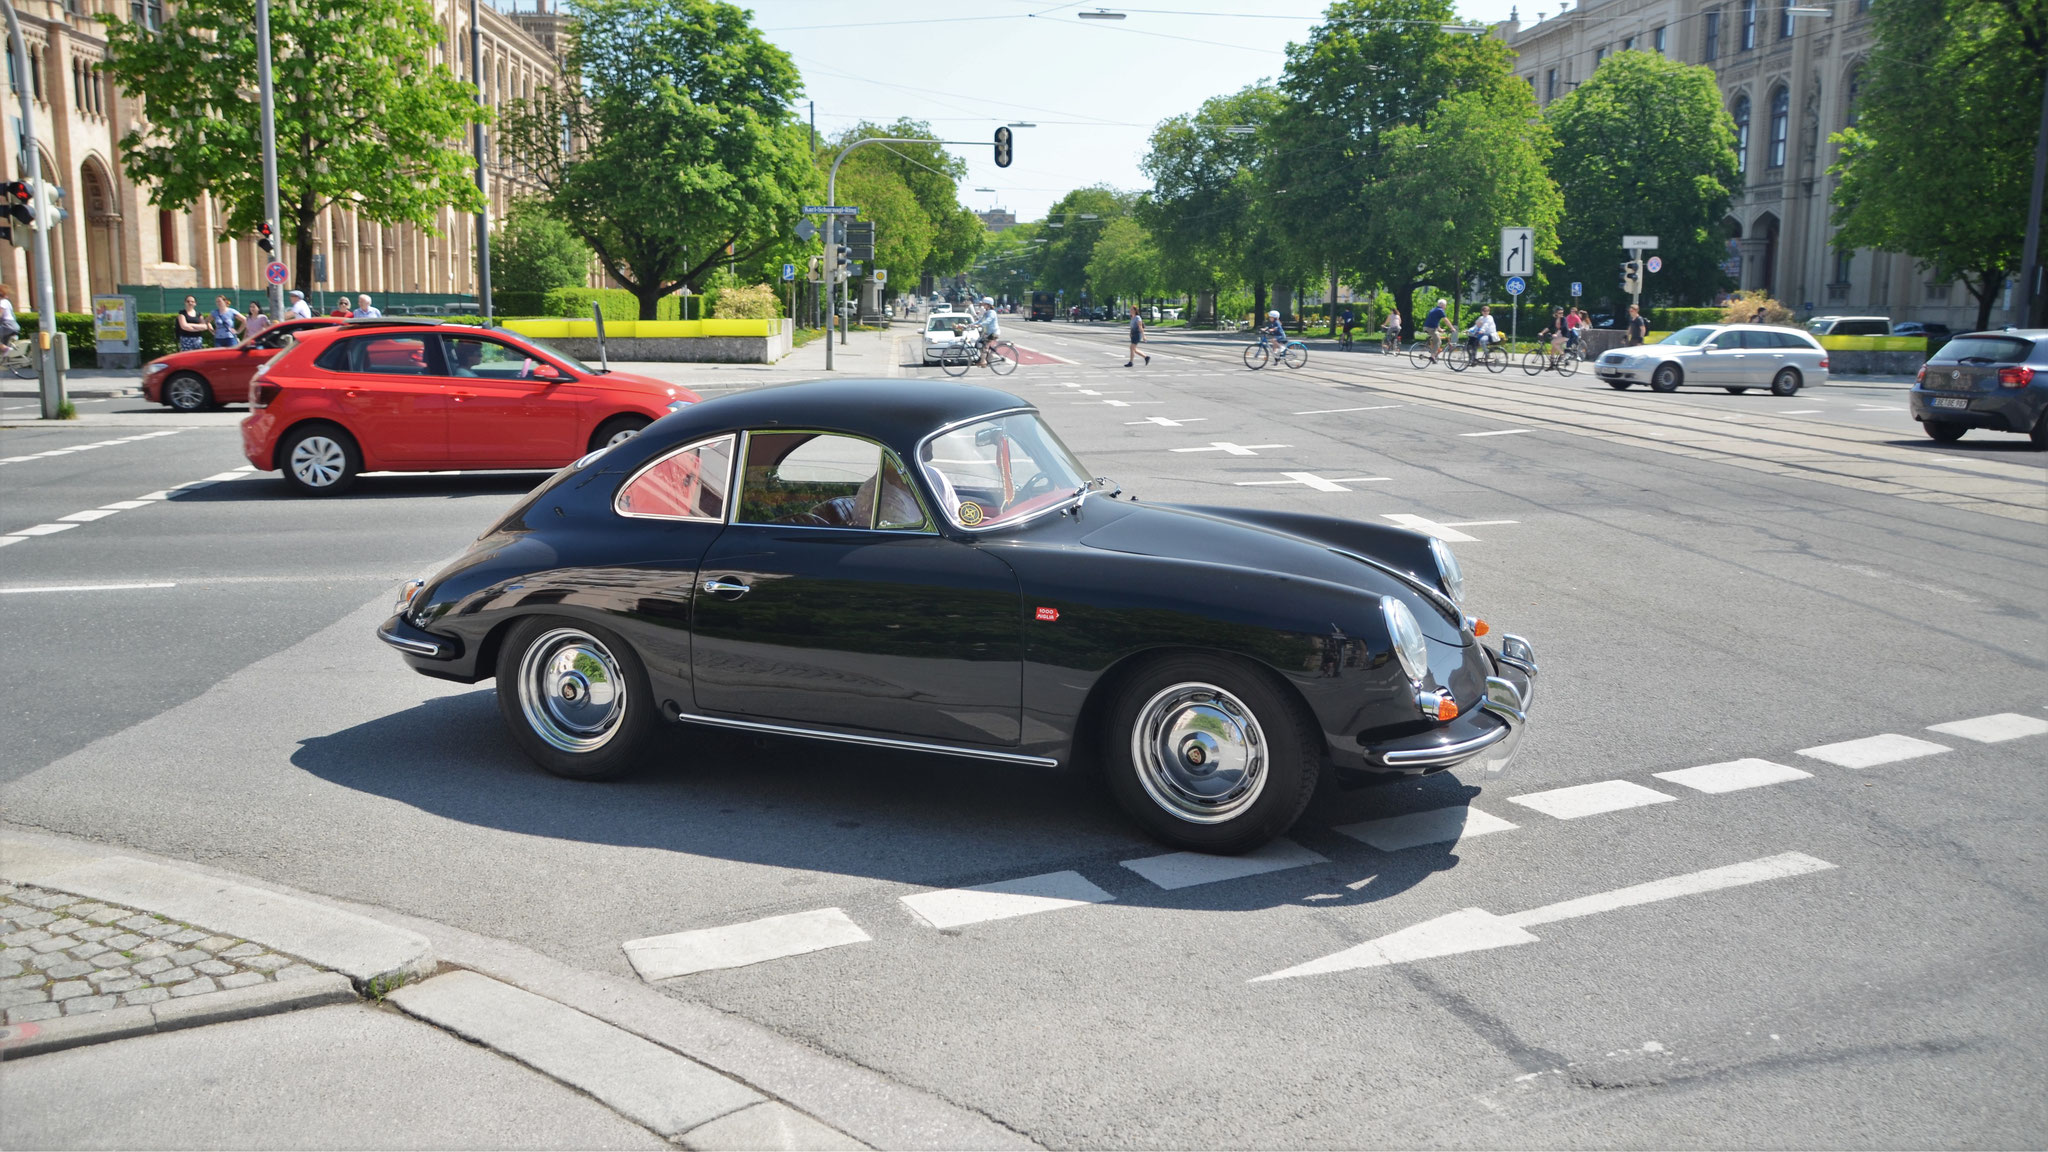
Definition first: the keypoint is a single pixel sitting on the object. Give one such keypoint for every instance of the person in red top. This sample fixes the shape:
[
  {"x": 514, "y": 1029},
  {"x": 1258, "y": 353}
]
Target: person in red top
[
  {"x": 341, "y": 309},
  {"x": 1573, "y": 321}
]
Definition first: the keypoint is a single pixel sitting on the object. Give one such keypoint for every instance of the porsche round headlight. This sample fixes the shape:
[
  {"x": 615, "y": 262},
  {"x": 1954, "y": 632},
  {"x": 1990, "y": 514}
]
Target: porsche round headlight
[
  {"x": 1409, "y": 645},
  {"x": 1447, "y": 568}
]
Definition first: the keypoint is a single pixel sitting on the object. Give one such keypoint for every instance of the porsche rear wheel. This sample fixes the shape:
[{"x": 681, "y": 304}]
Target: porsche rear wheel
[
  {"x": 187, "y": 392},
  {"x": 575, "y": 697},
  {"x": 1210, "y": 754}
]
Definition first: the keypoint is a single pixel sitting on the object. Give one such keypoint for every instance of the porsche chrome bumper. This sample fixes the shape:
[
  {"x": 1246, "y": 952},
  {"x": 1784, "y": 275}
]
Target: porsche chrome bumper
[{"x": 1509, "y": 692}]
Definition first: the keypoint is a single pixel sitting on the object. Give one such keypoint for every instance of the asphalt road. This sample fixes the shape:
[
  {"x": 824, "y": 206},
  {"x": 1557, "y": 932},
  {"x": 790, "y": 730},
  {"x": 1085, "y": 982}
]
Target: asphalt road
[{"x": 1847, "y": 956}]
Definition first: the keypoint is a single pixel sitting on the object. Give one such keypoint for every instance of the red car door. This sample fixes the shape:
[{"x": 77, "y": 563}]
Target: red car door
[
  {"x": 508, "y": 408},
  {"x": 230, "y": 369},
  {"x": 388, "y": 388}
]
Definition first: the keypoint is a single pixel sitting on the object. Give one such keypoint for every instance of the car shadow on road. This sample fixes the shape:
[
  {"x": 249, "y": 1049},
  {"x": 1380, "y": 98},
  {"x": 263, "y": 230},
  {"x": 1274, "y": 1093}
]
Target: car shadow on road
[
  {"x": 816, "y": 806},
  {"x": 388, "y": 486}
]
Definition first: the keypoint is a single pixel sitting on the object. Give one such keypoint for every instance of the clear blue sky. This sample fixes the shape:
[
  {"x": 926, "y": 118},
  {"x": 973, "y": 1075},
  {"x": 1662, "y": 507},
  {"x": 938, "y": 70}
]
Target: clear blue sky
[{"x": 1094, "y": 88}]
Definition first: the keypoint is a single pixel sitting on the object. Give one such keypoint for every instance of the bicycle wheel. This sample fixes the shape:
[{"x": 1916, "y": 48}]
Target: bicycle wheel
[
  {"x": 1255, "y": 356},
  {"x": 1496, "y": 358},
  {"x": 1418, "y": 354},
  {"x": 1295, "y": 355},
  {"x": 23, "y": 369},
  {"x": 1534, "y": 362},
  {"x": 1002, "y": 358},
  {"x": 1459, "y": 358},
  {"x": 958, "y": 363},
  {"x": 1568, "y": 363}
]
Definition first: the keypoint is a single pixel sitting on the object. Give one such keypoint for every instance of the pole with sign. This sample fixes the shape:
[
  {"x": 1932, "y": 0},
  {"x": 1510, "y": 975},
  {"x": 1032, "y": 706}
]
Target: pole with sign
[
  {"x": 1635, "y": 246},
  {"x": 1516, "y": 286}
]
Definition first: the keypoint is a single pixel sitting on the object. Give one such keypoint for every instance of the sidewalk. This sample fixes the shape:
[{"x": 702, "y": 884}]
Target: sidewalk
[{"x": 153, "y": 1003}]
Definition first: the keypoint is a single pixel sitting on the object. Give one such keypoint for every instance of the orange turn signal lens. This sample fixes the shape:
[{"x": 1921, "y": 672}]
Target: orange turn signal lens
[
  {"x": 1479, "y": 627},
  {"x": 1448, "y": 710}
]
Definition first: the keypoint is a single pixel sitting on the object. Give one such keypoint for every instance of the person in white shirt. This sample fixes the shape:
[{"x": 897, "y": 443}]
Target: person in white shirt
[
  {"x": 10, "y": 327},
  {"x": 990, "y": 327},
  {"x": 364, "y": 307},
  {"x": 299, "y": 308},
  {"x": 1483, "y": 330}
]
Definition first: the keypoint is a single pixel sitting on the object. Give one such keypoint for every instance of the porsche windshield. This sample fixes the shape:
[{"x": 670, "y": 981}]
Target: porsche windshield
[{"x": 1001, "y": 470}]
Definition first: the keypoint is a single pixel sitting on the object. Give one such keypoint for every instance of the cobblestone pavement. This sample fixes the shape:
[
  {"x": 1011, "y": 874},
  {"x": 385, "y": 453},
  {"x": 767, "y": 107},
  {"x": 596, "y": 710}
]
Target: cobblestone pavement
[{"x": 66, "y": 956}]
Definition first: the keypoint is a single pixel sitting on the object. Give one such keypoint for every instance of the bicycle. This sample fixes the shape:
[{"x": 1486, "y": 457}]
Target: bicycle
[
  {"x": 959, "y": 359},
  {"x": 1426, "y": 350},
  {"x": 19, "y": 359},
  {"x": 1294, "y": 354},
  {"x": 1564, "y": 363},
  {"x": 1465, "y": 354},
  {"x": 1390, "y": 341}
]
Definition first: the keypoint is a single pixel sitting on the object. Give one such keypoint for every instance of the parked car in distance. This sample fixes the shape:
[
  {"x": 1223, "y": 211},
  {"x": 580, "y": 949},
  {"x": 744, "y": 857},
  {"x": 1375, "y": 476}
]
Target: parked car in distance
[
  {"x": 1991, "y": 380},
  {"x": 416, "y": 395},
  {"x": 939, "y": 333},
  {"x": 923, "y": 566},
  {"x": 210, "y": 377},
  {"x": 1737, "y": 357},
  {"x": 1850, "y": 326},
  {"x": 1932, "y": 329}
]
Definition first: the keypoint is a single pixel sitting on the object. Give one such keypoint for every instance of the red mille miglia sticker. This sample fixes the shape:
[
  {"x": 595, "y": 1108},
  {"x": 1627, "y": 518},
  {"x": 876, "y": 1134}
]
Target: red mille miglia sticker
[{"x": 1048, "y": 614}]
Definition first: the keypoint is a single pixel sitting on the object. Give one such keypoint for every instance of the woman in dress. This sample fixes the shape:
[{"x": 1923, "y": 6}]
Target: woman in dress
[{"x": 193, "y": 326}]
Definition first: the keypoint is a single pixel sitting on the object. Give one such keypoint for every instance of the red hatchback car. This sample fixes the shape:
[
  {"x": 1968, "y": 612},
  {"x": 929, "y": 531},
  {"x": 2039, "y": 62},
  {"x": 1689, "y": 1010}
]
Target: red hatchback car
[
  {"x": 419, "y": 396},
  {"x": 209, "y": 377}
]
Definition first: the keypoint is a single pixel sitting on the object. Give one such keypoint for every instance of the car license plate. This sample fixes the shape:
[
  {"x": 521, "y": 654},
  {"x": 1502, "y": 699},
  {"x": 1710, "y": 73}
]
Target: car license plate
[{"x": 1950, "y": 402}]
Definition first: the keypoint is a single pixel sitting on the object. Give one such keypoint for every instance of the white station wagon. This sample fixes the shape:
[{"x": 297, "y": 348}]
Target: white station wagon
[
  {"x": 1737, "y": 357},
  {"x": 938, "y": 332}
]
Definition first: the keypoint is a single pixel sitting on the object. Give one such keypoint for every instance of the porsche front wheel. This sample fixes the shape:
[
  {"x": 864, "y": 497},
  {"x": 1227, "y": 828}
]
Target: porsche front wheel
[
  {"x": 1210, "y": 754},
  {"x": 575, "y": 697}
]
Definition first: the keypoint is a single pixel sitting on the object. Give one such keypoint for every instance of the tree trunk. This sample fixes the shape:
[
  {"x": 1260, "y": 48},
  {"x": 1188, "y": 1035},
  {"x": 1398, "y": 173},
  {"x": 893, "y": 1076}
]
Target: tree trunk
[
  {"x": 1258, "y": 303},
  {"x": 1406, "y": 295},
  {"x": 649, "y": 297},
  {"x": 302, "y": 245},
  {"x": 1992, "y": 282}
]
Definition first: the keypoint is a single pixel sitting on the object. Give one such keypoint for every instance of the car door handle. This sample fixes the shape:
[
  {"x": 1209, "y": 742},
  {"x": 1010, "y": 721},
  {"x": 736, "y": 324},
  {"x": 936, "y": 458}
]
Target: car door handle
[{"x": 730, "y": 589}]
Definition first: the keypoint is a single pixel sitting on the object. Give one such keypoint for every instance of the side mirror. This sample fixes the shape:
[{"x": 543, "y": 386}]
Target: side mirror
[{"x": 548, "y": 373}]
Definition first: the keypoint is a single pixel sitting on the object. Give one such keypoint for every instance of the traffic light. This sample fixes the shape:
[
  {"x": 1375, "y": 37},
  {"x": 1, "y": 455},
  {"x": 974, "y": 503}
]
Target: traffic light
[
  {"x": 842, "y": 262},
  {"x": 1002, "y": 147},
  {"x": 817, "y": 265},
  {"x": 265, "y": 239},
  {"x": 17, "y": 202},
  {"x": 49, "y": 204},
  {"x": 1631, "y": 276}
]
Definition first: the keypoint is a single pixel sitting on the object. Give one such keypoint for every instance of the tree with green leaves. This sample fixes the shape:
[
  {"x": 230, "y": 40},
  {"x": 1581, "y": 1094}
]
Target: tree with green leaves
[
  {"x": 685, "y": 155},
  {"x": 1935, "y": 165},
  {"x": 1477, "y": 164},
  {"x": 1645, "y": 146},
  {"x": 1073, "y": 224},
  {"x": 364, "y": 117},
  {"x": 1209, "y": 183},
  {"x": 532, "y": 251},
  {"x": 1125, "y": 263},
  {"x": 1008, "y": 264},
  {"x": 950, "y": 235}
]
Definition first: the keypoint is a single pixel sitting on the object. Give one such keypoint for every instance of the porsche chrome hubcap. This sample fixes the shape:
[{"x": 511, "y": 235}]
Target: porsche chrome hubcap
[
  {"x": 1199, "y": 752},
  {"x": 318, "y": 461},
  {"x": 571, "y": 691}
]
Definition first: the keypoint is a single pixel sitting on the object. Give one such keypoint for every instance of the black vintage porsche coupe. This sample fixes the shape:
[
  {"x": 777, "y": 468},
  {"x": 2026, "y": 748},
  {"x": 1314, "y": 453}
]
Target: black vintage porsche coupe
[{"x": 925, "y": 566}]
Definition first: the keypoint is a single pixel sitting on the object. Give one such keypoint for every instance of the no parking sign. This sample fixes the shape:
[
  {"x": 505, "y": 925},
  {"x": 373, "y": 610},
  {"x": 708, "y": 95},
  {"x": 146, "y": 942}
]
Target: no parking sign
[{"x": 274, "y": 272}]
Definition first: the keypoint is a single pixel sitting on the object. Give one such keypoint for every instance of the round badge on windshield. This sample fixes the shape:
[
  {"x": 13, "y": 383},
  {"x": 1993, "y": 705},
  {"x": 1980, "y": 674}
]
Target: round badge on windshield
[{"x": 970, "y": 513}]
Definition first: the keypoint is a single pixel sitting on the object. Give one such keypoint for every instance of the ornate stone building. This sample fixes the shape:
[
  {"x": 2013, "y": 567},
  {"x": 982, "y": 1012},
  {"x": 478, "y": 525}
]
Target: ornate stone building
[
  {"x": 1789, "y": 79},
  {"x": 114, "y": 236}
]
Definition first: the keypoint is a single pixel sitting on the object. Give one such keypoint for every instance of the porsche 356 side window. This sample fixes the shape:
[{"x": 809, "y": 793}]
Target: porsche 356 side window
[
  {"x": 820, "y": 480},
  {"x": 689, "y": 484}
]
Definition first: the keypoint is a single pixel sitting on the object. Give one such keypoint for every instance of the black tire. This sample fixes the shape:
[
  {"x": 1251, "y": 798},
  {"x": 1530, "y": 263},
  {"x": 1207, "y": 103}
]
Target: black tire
[
  {"x": 1458, "y": 357},
  {"x": 1786, "y": 382},
  {"x": 318, "y": 459},
  {"x": 1534, "y": 362},
  {"x": 1294, "y": 356},
  {"x": 1245, "y": 719},
  {"x": 624, "y": 426},
  {"x": 957, "y": 364},
  {"x": 575, "y": 698},
  {"x": 1255, "y": 356},
  {"x": 187, "y": 392},
  {"x": 1568, "y": 364},
  {"x": 1734, "y": 390},
  {"x": 1946, "y": 431},
  {"x": 1667, "y": 378},
  {"x": 1002, "y": 358},
  {"x": 1497, "y": 358},
  {"x": 1418, "y": 354}
]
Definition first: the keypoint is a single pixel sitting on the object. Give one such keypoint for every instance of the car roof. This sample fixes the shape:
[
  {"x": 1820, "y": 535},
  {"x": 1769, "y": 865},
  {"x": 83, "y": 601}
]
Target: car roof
[
  {"x": 898, "y": 413},
  {"x": 2022, "y": 333}
]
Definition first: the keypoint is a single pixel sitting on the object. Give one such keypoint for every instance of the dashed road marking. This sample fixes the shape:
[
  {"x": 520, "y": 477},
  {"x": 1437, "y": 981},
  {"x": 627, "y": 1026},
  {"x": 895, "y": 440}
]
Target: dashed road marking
[
  {"x": 82, "y": 588},
  {"x": 1591, "y": 799},
  {"x": 1164, "y": 422},
  {"x": 1499, "y": 432},
  {"x": 1187, "y": 869},
  {"x": 1993, "y": 729},
  {"x": 1450, "y": 826},
  {"x": 953, "y": 907},
  {"x": 75, "y": 448},
  {"x": 90, "y": 515},
  {"x": 1231, "y": 448},
  {"x": 1874, "y": 750},
  {"x": 1733, "y": 776},
  {"x": 1314, "y": 481},
  {"x": 1367, "y": 408},
  {"x": 738, "y": 945},
  {"x": 42, "y": 529}
]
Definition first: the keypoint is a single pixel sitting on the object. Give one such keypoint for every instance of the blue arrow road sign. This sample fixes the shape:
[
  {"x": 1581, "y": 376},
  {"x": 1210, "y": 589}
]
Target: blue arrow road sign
[
  {"x": 1578, "y": 289},
  {"x": 1515, "y": 285},
  {"x": 789, "y": 271}
]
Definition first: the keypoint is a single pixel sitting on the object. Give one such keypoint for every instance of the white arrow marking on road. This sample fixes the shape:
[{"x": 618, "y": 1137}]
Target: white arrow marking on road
[
  {"x": 1475, "y": 929},
  {"x": 1314, "y": 481},
  {"x": 1163, "y": 422},
  {"x": 1233, "y": 449},
  {"x": 1443, "y": 532}
]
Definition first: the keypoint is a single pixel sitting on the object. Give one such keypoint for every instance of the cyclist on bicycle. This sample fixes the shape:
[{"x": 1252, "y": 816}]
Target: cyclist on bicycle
[
  {"x": 1557, "y": 333},
  {"x": 1390, "y": 330},
  {"x": 9, "y": 326},
  {"x": 1483, "y": 331},
  {"x": 1274, "y": 329},
  {"x": 1349, "y": 321},
  {"x": 990, "y": 329},
  {"x": 1574, "y": 323},
  {"x": 1434, "y": 325}
]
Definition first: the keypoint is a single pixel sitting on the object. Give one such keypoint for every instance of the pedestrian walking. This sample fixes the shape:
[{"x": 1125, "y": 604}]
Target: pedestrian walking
[
  {"x": 1638, "y": 325},
  {"x": 10, "y": 325},
  {"x": 364, "y": 308},
  {"x": 1137, "y": 338},
  {"x": 256, "y": 321},
  {"x": 299, "y": 308},
  {"x": 192, "y": 326},
  {"x": 226, "y": 322}
]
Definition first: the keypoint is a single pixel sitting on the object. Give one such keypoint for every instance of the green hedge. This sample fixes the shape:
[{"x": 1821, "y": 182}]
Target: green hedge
[
  {"x": 574, "y": 304},
  {"x": 77, "y": 330},
  {"x": 1672, "y": 319}
]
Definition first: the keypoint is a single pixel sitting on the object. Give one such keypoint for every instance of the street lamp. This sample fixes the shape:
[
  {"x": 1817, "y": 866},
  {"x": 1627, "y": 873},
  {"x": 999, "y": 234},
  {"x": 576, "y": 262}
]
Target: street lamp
[
  {"x": 1100, "y": 14},
  {"x": 1240, "y": 129}
]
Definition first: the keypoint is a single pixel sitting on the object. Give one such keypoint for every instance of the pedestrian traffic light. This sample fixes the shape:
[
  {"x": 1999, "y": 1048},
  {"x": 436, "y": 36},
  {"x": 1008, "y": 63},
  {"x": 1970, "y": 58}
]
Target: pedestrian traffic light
[
  {"x": 842, "y": 262},
  {"x": 1002, "y": 147},
  {"x": 17, "y": 202},
  {"x": 49, "y": 204},
  {"x": 1631, "y": 276},
  {"x": 265, "y": 239}
]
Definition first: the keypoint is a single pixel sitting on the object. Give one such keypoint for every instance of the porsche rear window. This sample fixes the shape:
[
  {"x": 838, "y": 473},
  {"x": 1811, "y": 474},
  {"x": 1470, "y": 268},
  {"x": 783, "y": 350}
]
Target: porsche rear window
[{"x": 689, "y": 484}]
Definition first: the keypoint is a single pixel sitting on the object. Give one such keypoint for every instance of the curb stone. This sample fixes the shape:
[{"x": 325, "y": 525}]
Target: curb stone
[{"x": 21, "y": 1040}]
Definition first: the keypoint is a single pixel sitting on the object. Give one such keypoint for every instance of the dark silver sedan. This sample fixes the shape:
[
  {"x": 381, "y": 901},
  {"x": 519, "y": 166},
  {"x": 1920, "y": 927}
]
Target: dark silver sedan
[
  {"x": 1992, "y": 380},
  {"x": 1737, "y": 357}
]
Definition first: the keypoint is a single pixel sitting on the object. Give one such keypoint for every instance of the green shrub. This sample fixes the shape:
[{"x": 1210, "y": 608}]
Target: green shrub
[
  {"x": 1672, "y": 319},
  {"x": 574, "y": 304},
  {"x": 747, "y": 302},
  {"x": 77, "y": 330}
]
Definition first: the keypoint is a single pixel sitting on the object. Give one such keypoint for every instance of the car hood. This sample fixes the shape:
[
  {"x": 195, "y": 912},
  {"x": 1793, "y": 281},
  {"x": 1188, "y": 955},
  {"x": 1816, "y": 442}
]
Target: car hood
[
  {"x": 1177, "y": 533},
  {"x": 660, "y": 391}
]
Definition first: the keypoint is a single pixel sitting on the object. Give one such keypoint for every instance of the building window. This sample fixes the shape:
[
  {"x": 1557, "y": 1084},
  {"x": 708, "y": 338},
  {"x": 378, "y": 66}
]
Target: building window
[
  {"x": 167, "y": 236},
  {"x": 1599, "y": 54},
  {"x": 1785, "y": 21},
  {"x": 1657, "y": 40},
  {"x": 35, "y": 71},
  {"x": 1741, "y": 113},
  {"x": 1781, "y": 125},
  {"x": 1713, "y": 37},
  {"x": 148, "y": 13},
  {"x": 1845, "y": 260},
  {"x": 1550, "y": 85},
  {"x": 1852, "y": 93},
  {"x": 1748, "y": 25}
]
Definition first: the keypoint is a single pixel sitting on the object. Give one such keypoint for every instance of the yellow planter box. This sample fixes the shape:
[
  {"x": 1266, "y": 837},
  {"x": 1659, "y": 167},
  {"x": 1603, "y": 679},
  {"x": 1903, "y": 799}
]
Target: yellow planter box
[
  {"x": 546, "y": 329},
  {"x": 1874, "y": 343}
]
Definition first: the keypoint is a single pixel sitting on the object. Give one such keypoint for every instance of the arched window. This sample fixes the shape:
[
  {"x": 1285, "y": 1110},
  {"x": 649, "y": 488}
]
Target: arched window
[
  {"x": 1781, "y": 124},
  {"x": 1741, "y": 114}
]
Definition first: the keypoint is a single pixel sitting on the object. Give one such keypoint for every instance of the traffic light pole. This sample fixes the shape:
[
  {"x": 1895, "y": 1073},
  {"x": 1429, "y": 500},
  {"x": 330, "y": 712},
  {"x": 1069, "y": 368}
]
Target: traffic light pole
[
  {"x": 267, "y": 98},
  {"x": 52, "y": 380},
  {"x": 483, "y": 216},
  {"x": 1635, "y": 292}
]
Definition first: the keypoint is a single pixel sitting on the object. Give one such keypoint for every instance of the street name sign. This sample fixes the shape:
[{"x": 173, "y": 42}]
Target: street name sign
[
  {"x": 1638, "y": 241},
  {"x": 835, "y": 210},
  {"x": 1515, "y": 258}
]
